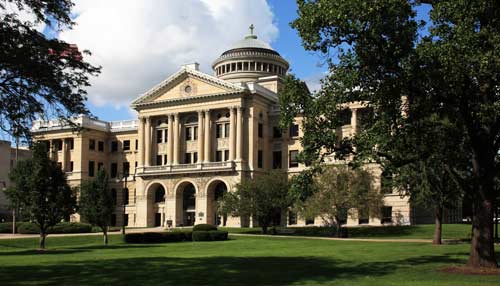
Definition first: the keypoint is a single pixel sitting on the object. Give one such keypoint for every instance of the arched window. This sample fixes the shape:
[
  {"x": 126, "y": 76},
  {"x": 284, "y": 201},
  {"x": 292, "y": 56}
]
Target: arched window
[{"x": 160, "y": 195}]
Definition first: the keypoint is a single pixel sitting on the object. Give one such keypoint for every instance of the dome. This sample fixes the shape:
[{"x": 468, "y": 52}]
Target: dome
[
  {"x": 248, "y": 60},
  {"x": 251, "y": 41}
]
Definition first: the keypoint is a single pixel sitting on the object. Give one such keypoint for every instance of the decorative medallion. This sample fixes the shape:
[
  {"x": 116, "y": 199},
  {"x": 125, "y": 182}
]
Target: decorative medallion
[{"x": 188, "y": 88}]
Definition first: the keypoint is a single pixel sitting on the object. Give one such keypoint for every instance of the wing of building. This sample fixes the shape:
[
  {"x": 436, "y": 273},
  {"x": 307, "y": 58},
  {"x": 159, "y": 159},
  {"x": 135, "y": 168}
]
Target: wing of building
[{"x": 196, "y": 137}]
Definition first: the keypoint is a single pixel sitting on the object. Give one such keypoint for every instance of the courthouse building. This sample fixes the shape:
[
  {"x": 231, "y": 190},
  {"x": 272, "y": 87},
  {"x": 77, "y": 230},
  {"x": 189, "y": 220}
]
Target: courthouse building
[{"x": 197, "y": 136}]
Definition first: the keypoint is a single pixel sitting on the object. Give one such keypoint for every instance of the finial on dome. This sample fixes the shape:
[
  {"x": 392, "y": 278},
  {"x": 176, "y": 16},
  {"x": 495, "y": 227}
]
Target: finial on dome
[{"x": 251, "y": 35}]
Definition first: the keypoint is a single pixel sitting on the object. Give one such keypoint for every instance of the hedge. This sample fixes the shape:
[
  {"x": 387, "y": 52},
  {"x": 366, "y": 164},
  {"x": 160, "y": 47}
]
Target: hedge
[
  {"x": 213, "y": 235},
  {"x": 63, "y": 227},
  {"x": 157, "y": 237},
  {"x": 6, "y": 227},
  {"x": 204, "y": 227}
]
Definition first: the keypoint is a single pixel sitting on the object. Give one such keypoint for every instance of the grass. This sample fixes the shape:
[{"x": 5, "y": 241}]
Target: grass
[
  {"x": 450, "y": 231},
  {"x": 81, "y": 260}
]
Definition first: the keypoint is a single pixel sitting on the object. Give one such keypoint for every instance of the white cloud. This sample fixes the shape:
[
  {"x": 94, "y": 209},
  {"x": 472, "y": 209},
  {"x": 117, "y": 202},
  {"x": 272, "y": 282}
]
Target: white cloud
[
  {"x": 139, "y": 43},
  {"x": 313, "y": 81}
]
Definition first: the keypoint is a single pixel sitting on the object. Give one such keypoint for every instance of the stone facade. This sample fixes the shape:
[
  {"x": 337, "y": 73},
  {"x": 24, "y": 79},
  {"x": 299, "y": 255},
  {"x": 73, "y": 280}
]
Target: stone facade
[{"x": 196, "y": 137}]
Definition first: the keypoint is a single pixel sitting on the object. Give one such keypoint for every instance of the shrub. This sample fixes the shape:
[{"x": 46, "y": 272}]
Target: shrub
[
  {"x": 157, "y": 237},
  {"x": 217, "y": 235},
  {"x": 213, "y": 235},
  {"x": 71, "y": 227},
  {"x": 63, "y": 227},
  {"x": 204, "y": 227},
  {"x": 6, "y": 227},
  {"x": 28, "y": 228}
]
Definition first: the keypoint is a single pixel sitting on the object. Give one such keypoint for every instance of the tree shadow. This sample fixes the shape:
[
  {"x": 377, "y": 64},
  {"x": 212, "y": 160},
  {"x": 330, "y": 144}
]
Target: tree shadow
[{"x": 219, "y": 270}]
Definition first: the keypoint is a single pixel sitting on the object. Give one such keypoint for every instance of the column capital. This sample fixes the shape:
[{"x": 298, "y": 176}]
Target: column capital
[{"x": 148, "y": 119}]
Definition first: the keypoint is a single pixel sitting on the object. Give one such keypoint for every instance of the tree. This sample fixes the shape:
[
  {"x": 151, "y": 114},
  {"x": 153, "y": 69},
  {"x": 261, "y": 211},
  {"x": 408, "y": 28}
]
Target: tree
[
  {"x": 263, "y": 198},
  {"x": 41, "y": 191},
  {"x": 39, "y": 76},
  {"x": 440, "y": 175},
  {"x": 403, "y": 71},
  {"x": 339, "y": 191},
  {"x": 96, "y": 203}
]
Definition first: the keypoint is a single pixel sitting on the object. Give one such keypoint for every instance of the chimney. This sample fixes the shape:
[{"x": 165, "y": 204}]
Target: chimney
[{"x": 193, "y": 66}]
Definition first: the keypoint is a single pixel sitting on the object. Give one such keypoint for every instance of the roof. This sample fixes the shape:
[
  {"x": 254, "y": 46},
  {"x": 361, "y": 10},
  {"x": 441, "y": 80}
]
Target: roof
[{"x": 251, "y": 41}]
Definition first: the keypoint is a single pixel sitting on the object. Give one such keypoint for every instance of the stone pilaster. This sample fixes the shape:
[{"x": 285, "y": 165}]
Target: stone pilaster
[{"x": 208, "y": 139}]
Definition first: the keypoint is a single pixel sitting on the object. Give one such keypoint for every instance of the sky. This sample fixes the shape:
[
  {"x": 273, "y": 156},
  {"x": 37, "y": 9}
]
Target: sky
[{"x": 140, "y": 43}]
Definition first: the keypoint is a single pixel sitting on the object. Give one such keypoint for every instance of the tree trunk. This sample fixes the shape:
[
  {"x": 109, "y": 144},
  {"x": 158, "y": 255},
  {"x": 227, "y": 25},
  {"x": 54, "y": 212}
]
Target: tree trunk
[
  {"x": 482, "y": 253},
  {"x": 438, "y": 226},
  {"x": 105, "y": 234},
  {"x": 339, "y": 227},
  {"x": 42, "y": 240}
]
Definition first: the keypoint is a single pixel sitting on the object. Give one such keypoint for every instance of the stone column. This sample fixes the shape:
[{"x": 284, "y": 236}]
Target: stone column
[
  {"x": 147, "y": 142},
  {"x": 208, "y": 138},
  {"x": 200, "y": 137},
  {"x": 176, "y": 138},
  {"x": 239, "y": 133},
  {"x": 63, "y": 155},
  {"x": 354, "y": 121},
  {"x": 140, "y": 133},
  {"x": 232, "y": 133},
  {"x": 170, "y": 139}
]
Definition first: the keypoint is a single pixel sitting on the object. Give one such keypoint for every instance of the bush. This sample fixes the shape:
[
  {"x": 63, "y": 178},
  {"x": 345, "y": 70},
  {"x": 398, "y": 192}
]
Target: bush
[
  {"x": 213, "y": 235},
  {"x": 71, "y": 227},
  {"x": 6, "y": 227},
  {"x": 157, "y": 237},
  {"x": 204, "y": 227},
  {"x": 63, "y": 227},
  {"x": 28, "y": 228}
]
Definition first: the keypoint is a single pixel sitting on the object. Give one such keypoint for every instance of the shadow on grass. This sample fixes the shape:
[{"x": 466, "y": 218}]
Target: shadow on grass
[{"x": 207, "y": 271}]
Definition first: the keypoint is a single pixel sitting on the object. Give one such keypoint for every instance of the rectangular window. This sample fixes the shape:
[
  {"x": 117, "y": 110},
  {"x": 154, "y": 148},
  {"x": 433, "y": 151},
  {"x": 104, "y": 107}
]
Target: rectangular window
[
  {"x": 294, "y": 130},
  {"x": 164, "y": 160},
  {"x": 276, "y": 132},
  {"x": 218, "y": 156},
  {"x": 91, "y": 168},
  {"x": 59, "y": 145},
  {"x": 158, "y": 160},
  {"x": 114, "y": 170},
  {"x": 226, "y": 130},
  {"x": 71, "y": 143},
  {"x": 386, "y": 215},
  {"x": 100, "y": 165},
  {"x": 70, "y": 166},
  {"x": 226, "y": 155},
  {"x": 125, "y": 197},
  {"x": 218, "y": 131},
  {"x": 187, "y": 158},
  {"x": 260, "y": 130},
  {"x": 59, "y": 164},
  {"x": 159, "y": 136},
  {"x": 188, "y": 134},
  {"x": 195, "y": 133},
  {"x": 126, "y": 169},
  {"x": 136, "y": 144},
  {"x": 309, "y": 221},
  {"x": 100, "y": 146},
  {"x": 114, "y": 146},
  {"x": 125, "y": 219},
  {"x": 292, "y": 159},
  {"x": 91, "y": 144},
  {"x": 345, "y": 117},
  {"x": 259, "y": 159},
  {"x": 277, "y": 159},
  {"x": 195, "y": 157},
  {"x": 165, "y": 135},
  {"x": 292, "y": 218},
  {"x": 126, "y": 145}
]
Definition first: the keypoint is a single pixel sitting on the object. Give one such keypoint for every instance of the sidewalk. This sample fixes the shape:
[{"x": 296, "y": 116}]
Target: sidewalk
[{"x": 131, "y": 230}]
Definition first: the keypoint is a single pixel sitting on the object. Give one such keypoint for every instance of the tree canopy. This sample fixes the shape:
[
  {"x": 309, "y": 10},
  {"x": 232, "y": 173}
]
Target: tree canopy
[
  {"x": 405, "y": 71},
  {"x": 39, "y": 76},
  {"x": 41, "y": 191}
]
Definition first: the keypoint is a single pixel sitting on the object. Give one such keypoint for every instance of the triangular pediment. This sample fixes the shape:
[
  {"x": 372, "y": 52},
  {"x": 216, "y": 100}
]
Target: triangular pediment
[{"x": 186, "y": 83}]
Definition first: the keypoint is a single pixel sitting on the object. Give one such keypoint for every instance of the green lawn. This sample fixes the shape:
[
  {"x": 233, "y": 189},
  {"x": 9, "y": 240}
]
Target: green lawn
[
  {"x": 450, "y": 231},
  {"x": 240, "y": 261}
]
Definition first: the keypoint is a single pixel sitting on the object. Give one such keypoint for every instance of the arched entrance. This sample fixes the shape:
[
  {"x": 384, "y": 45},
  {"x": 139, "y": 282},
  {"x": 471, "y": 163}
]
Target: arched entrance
[
  {"x": 186, "y": 204},
  {"x": 215, "y": 192},
  {"x": 156, "y": 204}
]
